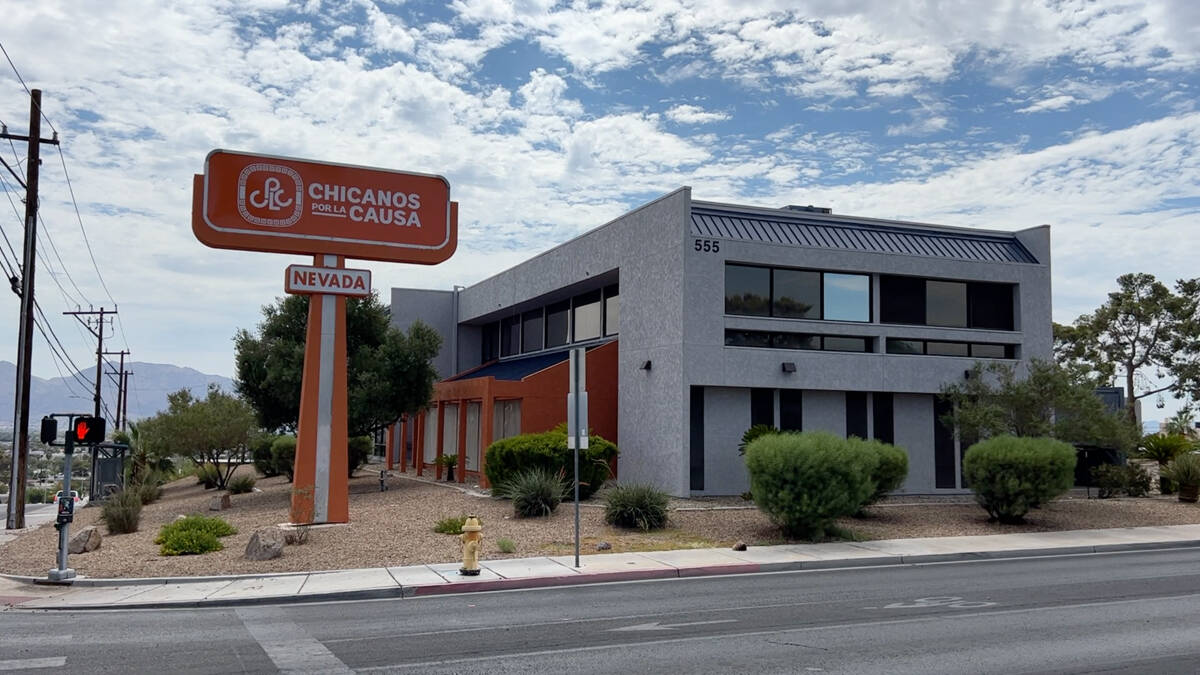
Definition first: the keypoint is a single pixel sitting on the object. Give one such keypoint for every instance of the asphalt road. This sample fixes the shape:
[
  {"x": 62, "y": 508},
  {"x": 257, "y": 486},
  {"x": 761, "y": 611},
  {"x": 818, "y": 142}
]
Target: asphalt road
[{"x": 1110, "y": 613}]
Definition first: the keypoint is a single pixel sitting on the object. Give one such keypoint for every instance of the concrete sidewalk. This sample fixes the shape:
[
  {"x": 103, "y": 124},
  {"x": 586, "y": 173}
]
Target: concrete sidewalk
[{"x": 421, "y": 580}]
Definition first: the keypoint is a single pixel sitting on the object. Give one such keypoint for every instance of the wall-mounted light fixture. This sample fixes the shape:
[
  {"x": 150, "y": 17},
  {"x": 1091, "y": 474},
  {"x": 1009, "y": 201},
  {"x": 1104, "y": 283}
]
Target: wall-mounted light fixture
[
  {"x": 789, "y": 367},
  {"x": 966, "y": 374},
  {"x": 645, "y": 365}
]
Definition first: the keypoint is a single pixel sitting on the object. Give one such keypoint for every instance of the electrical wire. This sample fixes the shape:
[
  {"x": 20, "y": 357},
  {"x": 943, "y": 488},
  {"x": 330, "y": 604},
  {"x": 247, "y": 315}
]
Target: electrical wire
[{"x": 22, "y": 81}]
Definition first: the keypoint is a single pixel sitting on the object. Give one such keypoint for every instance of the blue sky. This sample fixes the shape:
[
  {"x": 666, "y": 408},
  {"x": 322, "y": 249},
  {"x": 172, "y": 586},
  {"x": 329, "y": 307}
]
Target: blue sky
[{"x": 550, "y": 118}]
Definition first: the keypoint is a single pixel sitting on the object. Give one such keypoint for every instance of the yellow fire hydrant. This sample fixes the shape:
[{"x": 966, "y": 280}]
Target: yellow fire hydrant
[{"x": 472, "y": 542}]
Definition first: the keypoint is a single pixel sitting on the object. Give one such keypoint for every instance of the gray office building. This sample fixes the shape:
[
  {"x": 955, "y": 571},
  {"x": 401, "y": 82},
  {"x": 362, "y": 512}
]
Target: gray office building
[{"x": 726, "y": 316}]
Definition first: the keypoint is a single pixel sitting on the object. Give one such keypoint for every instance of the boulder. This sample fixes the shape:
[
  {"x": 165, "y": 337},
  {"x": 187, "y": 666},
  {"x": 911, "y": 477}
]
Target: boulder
[
  {"x": 265, "y": 544},
  {"x": 85, "y": 540},
  {"x": 219, "y": 503},
  {"x": 739, "y": 546},
  {"x": 604, "y": 546}
]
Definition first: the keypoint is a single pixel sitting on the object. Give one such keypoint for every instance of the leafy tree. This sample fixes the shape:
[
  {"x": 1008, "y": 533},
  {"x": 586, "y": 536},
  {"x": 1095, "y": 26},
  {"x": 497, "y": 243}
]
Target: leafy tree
[
  {"x": 388, "y": 371},
  {"x": 1181, "y": 424},
  {"x": 215, "y": 430},
  {"x": 1142, "y": 327},
  {"x": 1050, "y": 401}
]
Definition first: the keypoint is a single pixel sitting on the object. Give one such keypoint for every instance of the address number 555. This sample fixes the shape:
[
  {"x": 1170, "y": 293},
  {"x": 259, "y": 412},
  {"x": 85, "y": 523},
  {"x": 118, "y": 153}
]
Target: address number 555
[{"x": 707, "y": 245}]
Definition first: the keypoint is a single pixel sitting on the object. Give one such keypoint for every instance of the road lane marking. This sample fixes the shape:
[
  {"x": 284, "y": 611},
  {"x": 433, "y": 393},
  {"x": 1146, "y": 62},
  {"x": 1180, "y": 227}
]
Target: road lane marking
[
  {"x": 938, "y": 601},
  {"x": 654, "y": 625},
  {"x": 289, "y": 647},
  {"x": 29, "y": 664}
]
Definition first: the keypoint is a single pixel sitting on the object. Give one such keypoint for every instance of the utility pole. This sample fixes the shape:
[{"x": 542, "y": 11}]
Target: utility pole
[
  {"x": 98, "y": 331},
  {"x": 20, "y": 446},
  {"x": 120, "y": 382},
  {"x": 125, "y": 400}
]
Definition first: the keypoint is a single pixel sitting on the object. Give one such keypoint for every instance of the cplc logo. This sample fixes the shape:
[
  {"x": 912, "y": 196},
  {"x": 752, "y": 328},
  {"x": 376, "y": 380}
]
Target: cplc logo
[{"x": 270, "y": 195}]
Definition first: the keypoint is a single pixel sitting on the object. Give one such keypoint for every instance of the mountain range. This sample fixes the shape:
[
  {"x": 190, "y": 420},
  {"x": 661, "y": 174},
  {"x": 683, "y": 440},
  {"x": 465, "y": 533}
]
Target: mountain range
[{"x": 149, "y": 385}]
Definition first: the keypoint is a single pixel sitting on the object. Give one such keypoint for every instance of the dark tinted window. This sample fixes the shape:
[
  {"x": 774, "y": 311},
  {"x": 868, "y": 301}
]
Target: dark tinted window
[
  {"x": 747, "y": 338},
  {"x": 946, "y": 348},
  {"x": 991, "y": 305},
  {"x": 845, "y": 344},
  {"x": 531, "y": 331},
  {"x": 847, "y": 297},
  {"x": 612, "y": 311},
  {"x": 881, "y": 412},
  {"x": 943, "y": 445},
  {"x": 856, "y": 414},
  {"x": 989, "y": 351},
  {"x": 747, "y": 290},
  {"x": 588, "y": 316},
  {"x": 489, "y": 340},
  {"x": 901, "y": 299},
  {"x": 557, "y": 323},
  {"x": 946, "y": 303},
  {"x": 797, "y": 294},
  {"x": 791, "y": 410},
  {"x": 795, "y": 341},
  {"x": 762, "y": 407},
  {"x": 510, "y": 336},
  {"x": 895, "y": 346},
  {"x": 696, "y": 439}
]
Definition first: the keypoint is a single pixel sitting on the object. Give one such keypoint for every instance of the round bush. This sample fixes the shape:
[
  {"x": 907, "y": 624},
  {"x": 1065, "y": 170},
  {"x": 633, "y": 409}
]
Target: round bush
[
  {"x": 241, "y": 484},
  {"x": 891, "y": 466},
  {"x": 358, "y": 451},
  {"x": 804, "y": 481},
  {"x": 507, "y": 457},
  {"x": 260, "y": 450},
  {"x": 534, "y": 492},
  {"x": 283, "y": 453},
  {"x": 642, "y": 507},
  {"x": 1011, "y": 475},
  {"x": 193, "y": 535}
]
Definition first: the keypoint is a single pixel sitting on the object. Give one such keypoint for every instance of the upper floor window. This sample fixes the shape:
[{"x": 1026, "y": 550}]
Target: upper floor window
[
  {"x": 954, "y": 304},
  {"x": 797, "y": 294}
]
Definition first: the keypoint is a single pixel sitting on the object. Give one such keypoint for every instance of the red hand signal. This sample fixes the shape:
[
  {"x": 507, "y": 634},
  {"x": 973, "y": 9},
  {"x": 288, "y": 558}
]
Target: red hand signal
[{"x": 81, "y": 429}]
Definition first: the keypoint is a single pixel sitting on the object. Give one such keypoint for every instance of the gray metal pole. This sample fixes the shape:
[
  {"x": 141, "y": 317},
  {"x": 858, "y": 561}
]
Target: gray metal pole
[
  {"x": 20, "y": 445},
  {"x": 575, "y": 412},
  {"x": 63, "y": 529}
]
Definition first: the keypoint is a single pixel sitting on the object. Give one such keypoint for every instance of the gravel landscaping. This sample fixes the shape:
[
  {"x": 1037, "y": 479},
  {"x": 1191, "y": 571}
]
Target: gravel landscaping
[{"x": 396, "y": 528}]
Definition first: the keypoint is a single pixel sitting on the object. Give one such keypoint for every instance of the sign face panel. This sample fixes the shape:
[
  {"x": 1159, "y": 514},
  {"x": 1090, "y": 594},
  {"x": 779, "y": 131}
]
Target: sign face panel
[
  {"x": 286, "y": 205},
  {"x": 88, "y": 430},
  {"x": 306, "y": 279}
]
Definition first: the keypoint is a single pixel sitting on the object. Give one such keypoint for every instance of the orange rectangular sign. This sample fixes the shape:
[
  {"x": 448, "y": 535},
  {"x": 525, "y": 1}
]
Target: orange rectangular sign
[
  {"x": 285, "y": 205},
  {"x": 306, "y": 280}
]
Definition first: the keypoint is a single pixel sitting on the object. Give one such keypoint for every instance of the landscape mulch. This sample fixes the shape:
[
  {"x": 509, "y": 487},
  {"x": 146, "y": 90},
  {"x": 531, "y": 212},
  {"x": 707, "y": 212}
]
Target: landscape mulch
[{"x": 395, "y": 527}]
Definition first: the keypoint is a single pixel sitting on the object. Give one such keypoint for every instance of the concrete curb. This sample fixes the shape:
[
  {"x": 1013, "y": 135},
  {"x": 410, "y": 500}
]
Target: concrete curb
[{"x": 461, "y": 587}]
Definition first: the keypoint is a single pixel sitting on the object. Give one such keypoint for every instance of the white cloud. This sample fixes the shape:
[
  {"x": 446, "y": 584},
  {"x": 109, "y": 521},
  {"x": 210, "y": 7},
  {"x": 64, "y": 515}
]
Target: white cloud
[{"x": 693, "y": 114}]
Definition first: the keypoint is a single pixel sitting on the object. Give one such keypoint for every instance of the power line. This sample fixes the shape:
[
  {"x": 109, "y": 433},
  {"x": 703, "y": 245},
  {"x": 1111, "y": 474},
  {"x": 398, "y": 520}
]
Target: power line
[{"x": 22, "y": 81}]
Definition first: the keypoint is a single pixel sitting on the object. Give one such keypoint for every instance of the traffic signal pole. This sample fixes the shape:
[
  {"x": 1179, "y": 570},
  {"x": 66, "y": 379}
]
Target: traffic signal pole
[
  {"x": 20, "y": 446},
  {"x": 62, "y": 572}
]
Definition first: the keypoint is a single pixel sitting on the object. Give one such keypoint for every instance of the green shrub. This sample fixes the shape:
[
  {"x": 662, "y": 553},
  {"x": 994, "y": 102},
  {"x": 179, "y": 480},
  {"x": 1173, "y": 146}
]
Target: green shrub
[
  {"x": 1162, "y": 448},
  {"x": 507, "y": 457},
  {"x": 260, "y": 451},
  {"x": 534, "y": 492},
  {"x": 754, "y": 432},
  {"x": 642, "y": 507},
  {"x": 241, "y": 484},
  {"x": 208, "y": 475},
  {"x": 506, "y": 545},
  {"x": 193, "y": 535},
  {"x": 1184, "y": 470},
  {"x": 149, "y": 492},
  {"x": 283, "y": 453},
  {"x": 1112, "y": 480},
  {"x": 891, "y": 466},
  {"x": 358, "y": 451},
  {"x": 1011, "y": 475},
  {"x": 451, "y": 525},
  {"x": 122, "y": 512},
  {"x": 37, "y": 495},
  {"x": 804, "y": 481}
]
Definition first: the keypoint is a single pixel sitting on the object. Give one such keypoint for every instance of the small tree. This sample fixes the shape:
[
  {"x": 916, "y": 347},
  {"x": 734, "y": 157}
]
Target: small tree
[{"x": 215, "y": 430}]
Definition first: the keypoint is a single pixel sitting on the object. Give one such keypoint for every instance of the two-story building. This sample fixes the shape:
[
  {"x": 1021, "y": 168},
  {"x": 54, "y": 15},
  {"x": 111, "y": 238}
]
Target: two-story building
[{"x": 704, "y": 318}]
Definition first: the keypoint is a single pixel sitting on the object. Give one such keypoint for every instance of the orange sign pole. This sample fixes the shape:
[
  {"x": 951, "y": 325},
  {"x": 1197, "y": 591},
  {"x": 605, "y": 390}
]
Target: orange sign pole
[{"x": 319, "y": 493}]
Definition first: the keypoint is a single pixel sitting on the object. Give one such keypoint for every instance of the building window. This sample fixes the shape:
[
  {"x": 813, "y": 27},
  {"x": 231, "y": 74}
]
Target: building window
[
  {"x": 612, "y": 311},
  {"x": 933, "y": 348},
  {"x": 510, "y": 335},
  {"x": 791, "y": 410},
  {"x": 895, "y": 346},
  {"x": 795, "y": 294},
  {"x": 847, "y": 297},
  {"x": 765, "y": 339},
  {"x": 531, "y": 331},
  {"x": 588, "y": 316},
  {"x": 747, "y": 290},
  {"x": 976, "y": 350},
  {"x": 747, "y": 338},
  {"x": 955, "y": 304},
  {"x": 856, "y": 414},
  {"x": 558, "y": 324},
  {"x": 946, "y": 303},
  {"x": 506, "y": 419},
  {"x": 981, "y": 351},
  {"x": 831, "y": 343},
  {"x": 795, "y": 341},
  {"x": 762, "y": 407},
  {"x": 489, "y": 340}
]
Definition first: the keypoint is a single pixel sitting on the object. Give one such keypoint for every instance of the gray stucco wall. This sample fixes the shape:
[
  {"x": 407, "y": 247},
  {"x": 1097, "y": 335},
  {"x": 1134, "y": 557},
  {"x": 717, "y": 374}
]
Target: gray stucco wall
[
  {"x": 435, "y": 308},
  {"x": 825, "y": 411},
  {"x": 913, "y": 431},
  {"x": 726, "y": 416}
]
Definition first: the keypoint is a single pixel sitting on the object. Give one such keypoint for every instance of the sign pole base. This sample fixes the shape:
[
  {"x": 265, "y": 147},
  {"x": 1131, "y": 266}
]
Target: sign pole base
[{"x": 320, "y": 489}]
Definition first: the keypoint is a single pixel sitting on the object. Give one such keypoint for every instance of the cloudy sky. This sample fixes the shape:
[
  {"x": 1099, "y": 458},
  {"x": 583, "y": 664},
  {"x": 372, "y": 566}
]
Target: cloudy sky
[{"x": 550, "y": 118}]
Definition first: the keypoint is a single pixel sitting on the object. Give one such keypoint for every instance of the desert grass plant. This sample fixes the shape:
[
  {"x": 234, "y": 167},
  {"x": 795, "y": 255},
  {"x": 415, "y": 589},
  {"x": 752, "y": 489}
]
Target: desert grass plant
[
  {"x": 241, "y": 484},
  {"x": 122, "y": 512},
  {"x": 535, "y": 493},
  {"x": 506, "y": 545},
  {"x": 1011, "y": 475},
  {"x": 1184, "y": 472},
  {"x": 193, "y": 535},
  {"x": 208, "y": 476},
  {"x": 1112, "y": 480},
  {"x": 804, "y": 481},
  {"x": 149, "y": 492},
  {"x": 641, "y": 507},
  {"x": 450, "y": 525}
]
